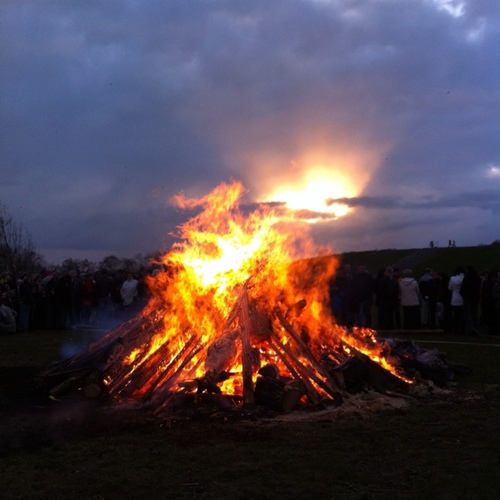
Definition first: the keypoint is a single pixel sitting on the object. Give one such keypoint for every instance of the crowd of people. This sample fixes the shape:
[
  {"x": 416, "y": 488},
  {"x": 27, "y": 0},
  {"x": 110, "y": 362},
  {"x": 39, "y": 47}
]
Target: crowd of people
[
  {"x": 62, "y": 300},
  {"x": 463, "y": 302}
]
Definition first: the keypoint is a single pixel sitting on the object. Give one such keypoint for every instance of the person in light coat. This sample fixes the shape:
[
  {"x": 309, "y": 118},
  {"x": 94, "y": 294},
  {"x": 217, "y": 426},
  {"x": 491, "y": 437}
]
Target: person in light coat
[
  {"x": 410, "y": 299},
  {"x": 129, "y": 292},
  {"x": 7, "y": 316},
  {"x": 457, "y": 302}
]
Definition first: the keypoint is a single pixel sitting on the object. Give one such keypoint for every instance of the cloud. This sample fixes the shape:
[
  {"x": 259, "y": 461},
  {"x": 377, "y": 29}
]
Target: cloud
[
  {"x": 485, "y": 200},
  {"x": 110, "y": 108}
]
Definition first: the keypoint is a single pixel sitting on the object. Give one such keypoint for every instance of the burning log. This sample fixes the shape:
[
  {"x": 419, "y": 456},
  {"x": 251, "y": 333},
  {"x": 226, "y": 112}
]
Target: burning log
[
  {"x": 160, "y": 397},
  {"x": 282, "y": 352},
  {"x": 329, "y": 385},
  {"x": 306, "y": 374},
  {"x": 206, "y": 383},
  {"x": 276, "y": 392},
  {"x": 171, "y": 372},
  {"x": 269, "y": 388},
  {"x": 360, "y": 371},
  {"x": 128, "y": 333},
  {"x": 221, "y": 352},
  {"x": 246, "y": 353},
  {"x": 68, "y": 383}
]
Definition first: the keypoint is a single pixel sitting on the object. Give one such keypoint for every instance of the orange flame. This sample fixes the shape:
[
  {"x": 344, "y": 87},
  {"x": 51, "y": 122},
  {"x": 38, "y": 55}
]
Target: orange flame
[{"x": 221, "y": 248}]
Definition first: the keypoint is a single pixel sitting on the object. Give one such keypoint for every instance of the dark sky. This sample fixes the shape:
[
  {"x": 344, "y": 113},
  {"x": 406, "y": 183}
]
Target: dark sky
[{"x": 388, "y": 107}]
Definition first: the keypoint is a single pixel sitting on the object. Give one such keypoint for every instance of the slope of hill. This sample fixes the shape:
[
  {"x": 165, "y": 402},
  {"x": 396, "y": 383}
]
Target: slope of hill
[{"x": 483, "y": 258}]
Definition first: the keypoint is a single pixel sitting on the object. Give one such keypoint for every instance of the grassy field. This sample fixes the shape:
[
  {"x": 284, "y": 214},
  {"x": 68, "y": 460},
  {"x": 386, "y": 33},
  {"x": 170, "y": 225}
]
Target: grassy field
[{"x": 441, "y": 446}]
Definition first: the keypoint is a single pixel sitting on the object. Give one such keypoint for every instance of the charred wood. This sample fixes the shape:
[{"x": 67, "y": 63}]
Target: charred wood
[
  {"x": 187, "y": 352},
  {"x": 162, "y": 392},
  {"x": 360, "y": 371}
]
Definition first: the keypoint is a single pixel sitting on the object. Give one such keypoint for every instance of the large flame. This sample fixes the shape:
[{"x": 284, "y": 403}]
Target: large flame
[{"x": 222, "y": 249}]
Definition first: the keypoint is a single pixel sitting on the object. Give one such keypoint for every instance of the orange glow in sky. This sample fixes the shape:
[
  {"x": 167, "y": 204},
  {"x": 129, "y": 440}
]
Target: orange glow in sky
[
  {"x": 312, "y": 193},
  {"x": 309, "y": 184}
]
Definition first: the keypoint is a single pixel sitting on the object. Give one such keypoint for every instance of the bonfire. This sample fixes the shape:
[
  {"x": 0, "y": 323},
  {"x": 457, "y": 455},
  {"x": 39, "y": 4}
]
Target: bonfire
[{"x": 240, "y": 310}]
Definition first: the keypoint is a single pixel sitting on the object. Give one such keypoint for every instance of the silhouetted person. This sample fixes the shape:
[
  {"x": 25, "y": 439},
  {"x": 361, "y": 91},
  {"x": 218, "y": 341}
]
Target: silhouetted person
[
  {"x": 25, "y": 303},
  {"x": 335, "y": 296},
  {"x": 362, "y": 290},
  {"x": 496, "y": 298},
  {"x": 428, "y": 287},
  {"x": 470, "y": 290},
  {"x": 75, "y": 291},
  {"x": 488, "y": 311},
  {"x": 104, "y": 285},
  {"x": 388, "y": 294},
  {"x": 444, "y": 298},
  {"x": 89, "y": 299}
]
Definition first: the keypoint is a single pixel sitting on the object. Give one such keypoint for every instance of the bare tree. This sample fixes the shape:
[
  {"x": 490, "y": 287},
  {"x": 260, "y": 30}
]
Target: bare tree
[{"x": 17, "y": 252}]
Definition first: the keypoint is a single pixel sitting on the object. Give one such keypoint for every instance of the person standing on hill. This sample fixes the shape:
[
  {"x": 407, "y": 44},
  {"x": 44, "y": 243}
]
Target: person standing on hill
[
  {"x": 410, "y": 300},
  {"x": 457, "y": 302}
]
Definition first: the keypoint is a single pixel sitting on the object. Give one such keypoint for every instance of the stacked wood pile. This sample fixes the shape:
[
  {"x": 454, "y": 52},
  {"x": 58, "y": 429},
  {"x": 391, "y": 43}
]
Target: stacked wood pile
[{"x": 101, "y": 370}]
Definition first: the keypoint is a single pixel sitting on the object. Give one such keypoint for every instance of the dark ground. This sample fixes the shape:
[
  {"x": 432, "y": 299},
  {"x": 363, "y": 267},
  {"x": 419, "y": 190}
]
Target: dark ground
[{"x": 445, "y": 445}]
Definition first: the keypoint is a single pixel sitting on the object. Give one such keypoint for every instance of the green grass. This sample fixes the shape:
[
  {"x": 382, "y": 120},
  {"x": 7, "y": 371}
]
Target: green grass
[{"x": 439, "y": 447}]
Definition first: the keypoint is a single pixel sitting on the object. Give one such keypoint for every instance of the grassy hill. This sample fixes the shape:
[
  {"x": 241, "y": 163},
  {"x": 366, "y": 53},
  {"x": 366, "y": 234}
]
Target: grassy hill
[{"x": 483, "y": 258}]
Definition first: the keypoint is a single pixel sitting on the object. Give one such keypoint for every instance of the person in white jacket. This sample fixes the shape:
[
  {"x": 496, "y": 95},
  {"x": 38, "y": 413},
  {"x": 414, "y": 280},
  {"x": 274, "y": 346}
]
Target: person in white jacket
[
  {"x": 409, "y": 294},
  {"x": 457, "y": 302},
  {"x": 129, "y": 292},
  {"x": 7, "y": 317}
]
